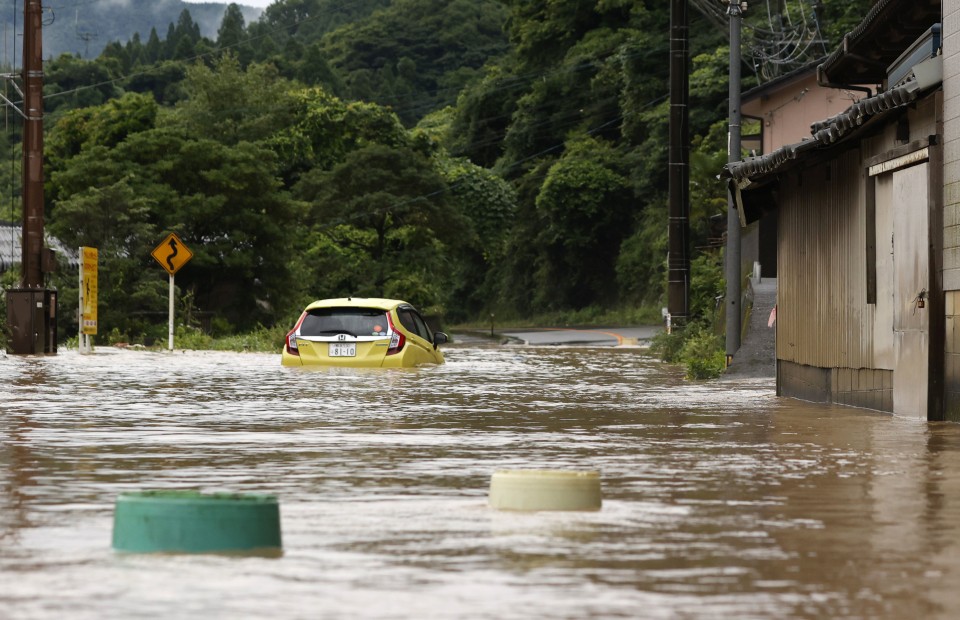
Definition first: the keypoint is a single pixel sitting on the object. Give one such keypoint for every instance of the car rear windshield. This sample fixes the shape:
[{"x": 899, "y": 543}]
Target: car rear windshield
[{"x": 353, "y": 321}]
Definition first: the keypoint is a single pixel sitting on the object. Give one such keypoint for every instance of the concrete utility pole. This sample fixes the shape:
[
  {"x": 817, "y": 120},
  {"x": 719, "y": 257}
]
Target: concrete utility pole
[
  {"x": 31, "y": 309},
  {"x": 678, "y": 255},
  {"x": 732, "y": 266},
  {"x": 32, "y": 145}
]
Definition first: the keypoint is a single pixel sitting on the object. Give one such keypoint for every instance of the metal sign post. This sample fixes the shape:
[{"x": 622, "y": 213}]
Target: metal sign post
[
  {"x": 170, "y": 315},
  {"x": 172, "y": 254}
]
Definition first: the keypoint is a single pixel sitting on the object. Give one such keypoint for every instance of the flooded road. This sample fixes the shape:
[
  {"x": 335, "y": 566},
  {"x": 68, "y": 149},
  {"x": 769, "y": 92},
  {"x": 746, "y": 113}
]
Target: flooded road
[{"x": 720, "y": 500}]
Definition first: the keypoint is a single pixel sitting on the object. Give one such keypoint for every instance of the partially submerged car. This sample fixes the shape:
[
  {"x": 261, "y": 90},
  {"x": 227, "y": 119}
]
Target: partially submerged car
[{"x": 365, "y": 332}]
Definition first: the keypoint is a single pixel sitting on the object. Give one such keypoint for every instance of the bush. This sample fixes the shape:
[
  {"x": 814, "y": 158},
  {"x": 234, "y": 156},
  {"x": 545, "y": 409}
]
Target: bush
[
  {"x": 703, "y": 354},
  {"x": 667, "y": 347},
  {"x": 262, "y": 339},
  {"x": 3, "y": 321},
  {"x": 189, "y": 337},
  {"x": 694, "y": 346}
]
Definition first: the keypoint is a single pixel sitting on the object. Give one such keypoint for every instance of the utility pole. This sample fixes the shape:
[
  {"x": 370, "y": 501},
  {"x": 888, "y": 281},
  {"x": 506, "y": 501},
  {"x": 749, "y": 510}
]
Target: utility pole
[
  {"x": 32, "y": 145},
  {"x": 732, "y": 266},
  {"x": 678, "y": 255},
  {"x": 31, "y": 309}
]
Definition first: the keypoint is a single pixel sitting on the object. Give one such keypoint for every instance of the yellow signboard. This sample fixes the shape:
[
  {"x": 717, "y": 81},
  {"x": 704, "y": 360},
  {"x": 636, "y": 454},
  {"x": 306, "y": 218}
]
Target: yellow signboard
[
  {"x": 88, "y": 290},
  {"x": 172, "y": 254}
]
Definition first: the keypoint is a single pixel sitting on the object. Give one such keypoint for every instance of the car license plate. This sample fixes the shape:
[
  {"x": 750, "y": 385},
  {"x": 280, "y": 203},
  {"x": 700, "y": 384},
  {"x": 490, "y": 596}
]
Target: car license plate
[{"x": 343, "y": 349}]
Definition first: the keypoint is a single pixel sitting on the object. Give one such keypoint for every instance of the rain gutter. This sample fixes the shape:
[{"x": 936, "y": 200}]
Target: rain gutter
[{"x": 824, "y": 80}]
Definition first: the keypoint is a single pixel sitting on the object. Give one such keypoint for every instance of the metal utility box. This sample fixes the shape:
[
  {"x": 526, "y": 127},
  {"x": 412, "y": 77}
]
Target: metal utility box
[{"x": 32, "y": 321}]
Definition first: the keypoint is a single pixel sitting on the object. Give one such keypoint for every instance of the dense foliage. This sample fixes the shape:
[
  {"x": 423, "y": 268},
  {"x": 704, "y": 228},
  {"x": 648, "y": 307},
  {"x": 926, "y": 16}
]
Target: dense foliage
[{"x": 471, "y": 156}]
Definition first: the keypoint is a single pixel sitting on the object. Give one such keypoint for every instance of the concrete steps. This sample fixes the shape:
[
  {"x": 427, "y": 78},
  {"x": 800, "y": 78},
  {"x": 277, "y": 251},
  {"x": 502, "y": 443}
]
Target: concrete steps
[{"x": 757, "y": 355}]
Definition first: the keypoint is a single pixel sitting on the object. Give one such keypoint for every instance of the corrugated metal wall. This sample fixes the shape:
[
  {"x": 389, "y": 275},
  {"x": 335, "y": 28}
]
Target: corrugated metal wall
[{"x": 823, "y": 318}]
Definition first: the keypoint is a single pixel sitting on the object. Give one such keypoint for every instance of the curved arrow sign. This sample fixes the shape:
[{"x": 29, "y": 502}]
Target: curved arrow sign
[{"x": 172, "y": 254}]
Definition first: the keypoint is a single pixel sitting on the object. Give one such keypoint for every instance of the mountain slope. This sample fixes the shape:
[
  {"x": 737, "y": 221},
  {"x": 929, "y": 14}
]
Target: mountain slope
[{"x": 84, "y": 28}]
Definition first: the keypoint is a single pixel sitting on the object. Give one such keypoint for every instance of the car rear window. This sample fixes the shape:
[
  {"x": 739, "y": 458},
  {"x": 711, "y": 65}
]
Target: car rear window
[{"x": 353, "y": 321}]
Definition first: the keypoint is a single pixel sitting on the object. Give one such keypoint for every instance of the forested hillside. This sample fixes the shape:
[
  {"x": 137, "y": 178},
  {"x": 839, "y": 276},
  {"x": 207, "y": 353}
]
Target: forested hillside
[
  {"x": 475, "y": 157},
  {"x": 84, "y": 27}
]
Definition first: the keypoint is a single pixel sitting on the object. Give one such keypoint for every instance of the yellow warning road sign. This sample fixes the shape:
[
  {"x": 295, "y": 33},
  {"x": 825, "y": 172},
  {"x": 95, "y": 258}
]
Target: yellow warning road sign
[{"x": 172, "y": 254}]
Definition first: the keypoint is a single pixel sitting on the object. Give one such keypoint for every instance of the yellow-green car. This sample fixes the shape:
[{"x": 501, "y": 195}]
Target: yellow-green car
[{"x": 363, "y": 332}]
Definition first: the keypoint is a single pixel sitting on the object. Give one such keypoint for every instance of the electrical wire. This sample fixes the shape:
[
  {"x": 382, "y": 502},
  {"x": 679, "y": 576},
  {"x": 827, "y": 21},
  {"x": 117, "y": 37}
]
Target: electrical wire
[
  {"x": 785, "y": 42},
  {"x": 13, "y": 162},
  {"x": 788, "y": 41}
]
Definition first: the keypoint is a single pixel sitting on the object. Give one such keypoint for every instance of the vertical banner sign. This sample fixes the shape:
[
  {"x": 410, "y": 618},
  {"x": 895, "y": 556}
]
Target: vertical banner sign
[
  {"x": 88, "y": 291},
  {"x": 172, "y": 254},
  {"x": 88, "y": 297}
]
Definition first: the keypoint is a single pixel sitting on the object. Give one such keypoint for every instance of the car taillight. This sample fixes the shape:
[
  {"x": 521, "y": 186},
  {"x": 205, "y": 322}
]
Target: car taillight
[
  {"x": 292, "y": 337},
  {"x": 397, "y": 339}
]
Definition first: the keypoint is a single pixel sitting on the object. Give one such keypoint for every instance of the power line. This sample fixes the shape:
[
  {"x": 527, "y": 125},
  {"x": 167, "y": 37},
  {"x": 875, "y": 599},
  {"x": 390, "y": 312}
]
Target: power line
[{"x": 790, "y": 37}]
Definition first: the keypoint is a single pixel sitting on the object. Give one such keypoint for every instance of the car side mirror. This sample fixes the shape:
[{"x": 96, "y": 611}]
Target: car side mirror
[{"x": 440, "y": 338}]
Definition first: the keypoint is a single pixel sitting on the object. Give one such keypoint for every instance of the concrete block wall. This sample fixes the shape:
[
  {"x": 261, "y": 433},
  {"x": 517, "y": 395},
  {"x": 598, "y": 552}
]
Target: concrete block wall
[
  {"x": 951, "y": 146},
  {"x": 951, "y": 371},
  {"x": 867, "y": 388},
  {"x": 951, "y": 206}
]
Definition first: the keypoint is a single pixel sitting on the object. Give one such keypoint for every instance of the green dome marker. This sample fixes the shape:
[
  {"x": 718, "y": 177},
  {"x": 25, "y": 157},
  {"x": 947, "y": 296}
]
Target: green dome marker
[{"x": 194, "y": 522}]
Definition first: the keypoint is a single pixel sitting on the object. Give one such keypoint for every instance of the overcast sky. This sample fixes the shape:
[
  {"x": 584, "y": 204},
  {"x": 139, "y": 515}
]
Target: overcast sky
[{"x": 259, "y": 3}]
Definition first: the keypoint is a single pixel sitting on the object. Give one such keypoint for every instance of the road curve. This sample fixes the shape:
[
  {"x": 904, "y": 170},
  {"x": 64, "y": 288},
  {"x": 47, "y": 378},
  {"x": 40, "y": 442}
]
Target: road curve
[{"x": 594, "y": 336}]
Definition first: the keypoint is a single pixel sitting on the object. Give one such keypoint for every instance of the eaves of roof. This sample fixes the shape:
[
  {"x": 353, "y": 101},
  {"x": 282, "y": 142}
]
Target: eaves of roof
[
  {"x": 825, "y": 134},
  {"x": 866, "y": 52}
]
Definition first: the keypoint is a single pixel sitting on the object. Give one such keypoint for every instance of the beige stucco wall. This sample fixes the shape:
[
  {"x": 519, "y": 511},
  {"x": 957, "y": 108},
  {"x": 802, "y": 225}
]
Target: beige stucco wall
[{"x": 789, "y": 111}]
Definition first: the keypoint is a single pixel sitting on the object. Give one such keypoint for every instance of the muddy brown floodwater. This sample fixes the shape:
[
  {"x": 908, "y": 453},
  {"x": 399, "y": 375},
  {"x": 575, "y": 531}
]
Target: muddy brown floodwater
[{"x": 720, "y": 500}]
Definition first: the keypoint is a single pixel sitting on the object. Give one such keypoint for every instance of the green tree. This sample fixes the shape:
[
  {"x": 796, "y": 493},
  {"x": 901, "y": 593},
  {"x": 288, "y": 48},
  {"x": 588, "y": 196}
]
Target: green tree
[
  {"x": 483, "y": 114},
  {"x": 226, "y": 201},
  {"x": 229, "y": 104},
  {"x": 488, "y": 205},
  {"x": 324, "y": 129},
  {"x": 115, "y": 219},
  {"x": 385, "y": 209},
  {"x": 153, "y": 49},
  {"x": 163, "y": 80},
  {"x": 106, "y": 125},
  {"x": 232, "y": 28},
  {"x": 314, "y": 70},
  {"x": 71, "y": 82},
  {"x": 310, "y": 20},
  {"x": 416, "y": 54},
  {"x": 585, "y": 205}
]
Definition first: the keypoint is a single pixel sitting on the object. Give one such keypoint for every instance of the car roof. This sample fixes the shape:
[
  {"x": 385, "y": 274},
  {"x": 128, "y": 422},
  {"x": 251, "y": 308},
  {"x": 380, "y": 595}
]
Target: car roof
[{"x": 357, "y": 302}]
